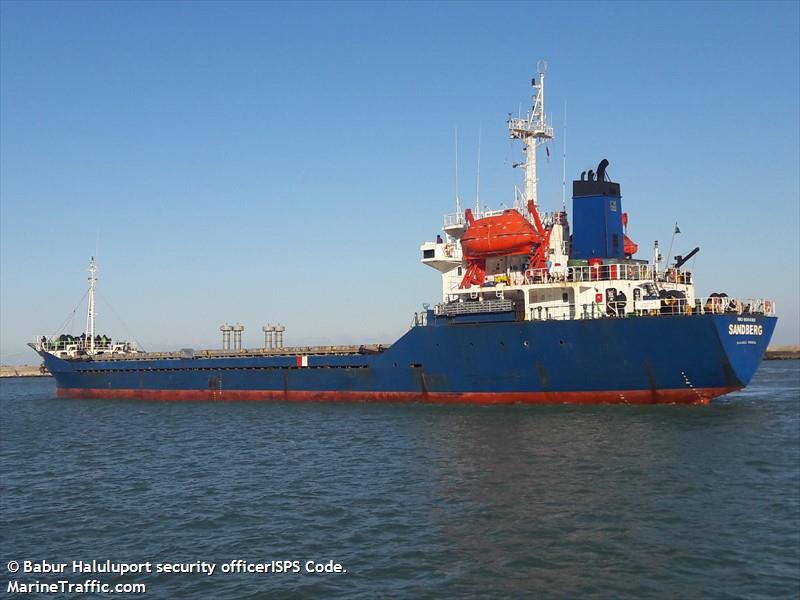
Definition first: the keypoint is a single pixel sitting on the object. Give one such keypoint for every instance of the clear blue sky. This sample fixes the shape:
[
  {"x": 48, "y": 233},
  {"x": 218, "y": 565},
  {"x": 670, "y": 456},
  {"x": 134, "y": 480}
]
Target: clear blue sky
[{"x": 268, "y": 162}]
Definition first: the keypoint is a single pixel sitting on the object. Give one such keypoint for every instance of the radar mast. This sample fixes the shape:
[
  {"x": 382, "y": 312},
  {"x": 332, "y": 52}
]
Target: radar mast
[{"x": 532, "y": 130}]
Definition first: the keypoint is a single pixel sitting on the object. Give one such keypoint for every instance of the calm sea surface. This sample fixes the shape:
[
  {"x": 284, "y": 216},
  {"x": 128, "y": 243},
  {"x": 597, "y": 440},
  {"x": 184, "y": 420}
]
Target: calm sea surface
[{"x": 413, "y": 501}]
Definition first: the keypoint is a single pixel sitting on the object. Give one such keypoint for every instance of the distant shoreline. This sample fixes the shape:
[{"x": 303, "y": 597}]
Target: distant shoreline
[
  {"x": 773, "y": 353},
  {"x": 22, "y": 371},
  {"x": 782, "y": 353}
]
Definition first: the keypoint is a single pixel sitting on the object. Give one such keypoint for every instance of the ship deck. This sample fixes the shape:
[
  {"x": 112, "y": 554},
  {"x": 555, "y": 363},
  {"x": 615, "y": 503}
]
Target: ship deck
[{"x": 348, "y": 350}]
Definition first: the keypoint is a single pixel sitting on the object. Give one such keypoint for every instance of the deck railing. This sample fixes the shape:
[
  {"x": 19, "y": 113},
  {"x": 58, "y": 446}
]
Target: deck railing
[
  {"x": 454, "y": 219},
  {"x": 666, "y": 306},
  {"x": 72, "y": 345},
  {"x": 604, "y": 272}
]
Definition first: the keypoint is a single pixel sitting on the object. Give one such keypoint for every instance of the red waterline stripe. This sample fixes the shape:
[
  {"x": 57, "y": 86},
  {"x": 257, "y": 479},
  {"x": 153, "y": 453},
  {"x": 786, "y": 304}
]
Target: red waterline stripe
[{"x": 673, "y": 396}]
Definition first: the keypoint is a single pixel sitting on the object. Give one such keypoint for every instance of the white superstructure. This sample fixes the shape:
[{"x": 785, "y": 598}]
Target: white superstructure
[{"x": 557, "y": 285}]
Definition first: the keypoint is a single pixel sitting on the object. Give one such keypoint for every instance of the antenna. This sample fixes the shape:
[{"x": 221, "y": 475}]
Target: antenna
[
  {"x": 478, "y": 183},
  {"x": 458, "y": 200},
  {"x": 564, "y": 164}
]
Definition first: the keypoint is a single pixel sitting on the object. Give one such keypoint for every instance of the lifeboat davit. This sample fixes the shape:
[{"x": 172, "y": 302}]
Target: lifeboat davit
[{"x": 505, "y": 234}]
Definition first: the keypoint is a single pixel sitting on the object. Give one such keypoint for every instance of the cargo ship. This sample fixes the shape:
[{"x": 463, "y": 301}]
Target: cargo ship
[{"x": 536, "y": 308}]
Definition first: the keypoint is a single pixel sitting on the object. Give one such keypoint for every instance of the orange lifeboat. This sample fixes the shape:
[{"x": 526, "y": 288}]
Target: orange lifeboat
[
  {"x": 630, "y": 247},
  {"x": 505, "y": 234}
]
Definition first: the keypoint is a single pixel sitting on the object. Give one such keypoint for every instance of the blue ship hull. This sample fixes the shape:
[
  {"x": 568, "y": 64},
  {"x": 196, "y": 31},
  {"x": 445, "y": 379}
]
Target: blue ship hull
[{"x": 658, "y": 359}]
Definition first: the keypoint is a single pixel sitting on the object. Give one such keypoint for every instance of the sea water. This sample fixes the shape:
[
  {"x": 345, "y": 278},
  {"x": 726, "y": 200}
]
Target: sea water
[{"x": 409, "y": 501}]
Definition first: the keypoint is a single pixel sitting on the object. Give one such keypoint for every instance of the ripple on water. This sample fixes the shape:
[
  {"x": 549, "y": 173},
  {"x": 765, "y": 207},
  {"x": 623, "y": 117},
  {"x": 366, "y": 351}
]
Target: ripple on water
[{"x": 416, "y": 500}]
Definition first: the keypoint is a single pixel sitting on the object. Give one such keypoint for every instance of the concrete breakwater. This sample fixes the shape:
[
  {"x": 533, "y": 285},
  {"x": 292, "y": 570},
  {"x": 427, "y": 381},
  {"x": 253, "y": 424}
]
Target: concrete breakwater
[
  {"x": 22, "y": 371},
  {"x": 782, "y": 353}
]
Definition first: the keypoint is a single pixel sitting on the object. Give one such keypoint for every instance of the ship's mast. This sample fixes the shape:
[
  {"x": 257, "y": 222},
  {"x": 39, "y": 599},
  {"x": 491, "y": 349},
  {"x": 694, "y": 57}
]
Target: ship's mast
[
  {"x": 90, "y": 311},
  {"x": 458, "y": 199},
  {"x": 532, "y": 130}
]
